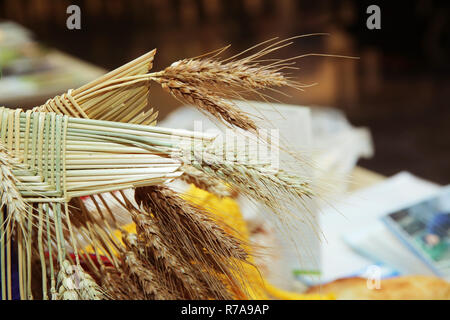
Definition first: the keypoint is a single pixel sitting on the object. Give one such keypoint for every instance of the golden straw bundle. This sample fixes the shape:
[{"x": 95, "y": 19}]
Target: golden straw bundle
[
  {"x": 69, "y": 157},
  {"x": 101, "y": 138}
]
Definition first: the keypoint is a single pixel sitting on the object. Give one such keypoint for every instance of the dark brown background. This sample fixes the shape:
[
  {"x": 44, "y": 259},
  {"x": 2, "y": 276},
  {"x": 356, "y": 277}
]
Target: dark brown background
[{"x": 400, "y": 87}]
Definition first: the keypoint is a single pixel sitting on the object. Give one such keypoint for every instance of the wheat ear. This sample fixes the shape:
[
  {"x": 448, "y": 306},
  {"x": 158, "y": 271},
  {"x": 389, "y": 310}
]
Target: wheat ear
[
  {"x": 143, "y": 274},
  {"x": 208, "y": 101},
  {"x": 10, "y": 195},
  {"x": 199, "y": 238},
  {"x": 182, "y": 274},
  {"x": 210, "y": 82},
  {"x": 280, "y": 191},
  {"x": 243, "y": 73},
  {"x": 76, "y": 284},
  {"x": 17, "y": 211},
  {"x": 258, "y": 182},
  {"x": 118, "y": 286}
]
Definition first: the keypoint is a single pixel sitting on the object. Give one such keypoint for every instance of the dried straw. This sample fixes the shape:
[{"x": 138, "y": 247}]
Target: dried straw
[
  {"x": 66, "y": 157},
  {"x": 16, "y": 213},
  {"x": 110, "y": 97},
  {"x": 208, "y": 82}
]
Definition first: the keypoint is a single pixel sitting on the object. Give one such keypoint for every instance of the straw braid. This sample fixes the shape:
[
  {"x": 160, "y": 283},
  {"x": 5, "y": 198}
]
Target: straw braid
[
  {"x": 120, "y": 95},
  {"x": 64, "y": 104},
  {"x": 45, "y": 141},
  {"x": 47, "y": 137}
]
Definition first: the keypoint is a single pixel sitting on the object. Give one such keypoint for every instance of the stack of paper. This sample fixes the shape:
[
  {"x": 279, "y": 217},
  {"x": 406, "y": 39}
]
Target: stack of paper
[{"x": 357, "y": 218}]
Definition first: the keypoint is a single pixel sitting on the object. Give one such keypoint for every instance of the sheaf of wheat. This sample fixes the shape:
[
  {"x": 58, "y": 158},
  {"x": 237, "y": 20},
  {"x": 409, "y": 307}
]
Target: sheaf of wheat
[{"x": 100, "y": 141}]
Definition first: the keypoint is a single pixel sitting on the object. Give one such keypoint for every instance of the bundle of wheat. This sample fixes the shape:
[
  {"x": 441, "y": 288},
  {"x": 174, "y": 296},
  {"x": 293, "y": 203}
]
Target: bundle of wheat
[
  {"x": 60, "y": 157},
  {"x": 51, "y": 156}
]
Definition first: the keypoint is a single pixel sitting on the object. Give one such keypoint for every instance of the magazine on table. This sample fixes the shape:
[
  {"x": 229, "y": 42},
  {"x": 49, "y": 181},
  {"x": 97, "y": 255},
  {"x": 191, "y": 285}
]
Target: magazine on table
[{"x": 425, "y": 228}]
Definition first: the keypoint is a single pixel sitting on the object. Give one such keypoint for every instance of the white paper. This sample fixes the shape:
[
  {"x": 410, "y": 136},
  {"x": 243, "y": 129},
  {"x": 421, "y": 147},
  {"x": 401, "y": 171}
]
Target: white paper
[{"x": 361, "y": 209}]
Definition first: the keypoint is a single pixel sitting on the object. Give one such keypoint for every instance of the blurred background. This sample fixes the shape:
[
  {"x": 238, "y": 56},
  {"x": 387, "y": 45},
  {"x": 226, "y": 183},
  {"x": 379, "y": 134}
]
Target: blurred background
[{"x": 399, "y": 89}]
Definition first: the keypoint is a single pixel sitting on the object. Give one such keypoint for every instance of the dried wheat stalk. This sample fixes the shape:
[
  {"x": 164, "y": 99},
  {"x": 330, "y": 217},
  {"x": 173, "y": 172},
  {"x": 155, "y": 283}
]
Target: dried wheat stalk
[
  {"x": 208, "y": 101},
  {"x": 282, "y": 192},
  {"x": 271, "y": 187},
  {"x": 245, "y": 73},
  {"x": 205, "y": 82},
  {"x": 208, "y": 82}
]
